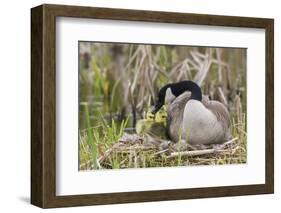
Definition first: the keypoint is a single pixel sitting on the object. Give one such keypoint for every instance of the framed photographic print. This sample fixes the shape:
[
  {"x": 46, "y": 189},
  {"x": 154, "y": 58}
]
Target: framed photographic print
[{"x": 136, "y": 106}]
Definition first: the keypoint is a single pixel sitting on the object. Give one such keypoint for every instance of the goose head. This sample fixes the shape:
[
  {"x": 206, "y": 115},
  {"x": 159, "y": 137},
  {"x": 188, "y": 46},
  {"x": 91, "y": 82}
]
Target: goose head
[{"x": 168, "y": 93}]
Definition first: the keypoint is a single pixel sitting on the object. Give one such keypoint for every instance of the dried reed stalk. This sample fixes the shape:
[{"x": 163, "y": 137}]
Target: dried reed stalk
[{"x": 204, "y": 151}]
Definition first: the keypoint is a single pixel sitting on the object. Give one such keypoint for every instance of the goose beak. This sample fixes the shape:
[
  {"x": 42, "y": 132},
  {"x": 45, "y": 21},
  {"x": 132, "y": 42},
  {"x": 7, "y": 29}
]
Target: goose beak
[{"x": 156, "y": 107}]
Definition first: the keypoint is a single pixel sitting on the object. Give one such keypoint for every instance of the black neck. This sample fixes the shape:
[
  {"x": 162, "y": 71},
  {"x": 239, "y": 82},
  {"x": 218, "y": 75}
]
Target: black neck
[{"x": 181, "y": 87}]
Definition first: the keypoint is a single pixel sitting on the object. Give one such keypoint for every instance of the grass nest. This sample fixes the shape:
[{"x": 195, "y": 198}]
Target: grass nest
[{"x": 135, "y": 151}]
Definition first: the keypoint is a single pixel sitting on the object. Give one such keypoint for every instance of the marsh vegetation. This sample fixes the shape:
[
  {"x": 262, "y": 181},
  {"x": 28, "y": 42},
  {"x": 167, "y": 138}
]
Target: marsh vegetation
[{"x": 118, "y": 83}]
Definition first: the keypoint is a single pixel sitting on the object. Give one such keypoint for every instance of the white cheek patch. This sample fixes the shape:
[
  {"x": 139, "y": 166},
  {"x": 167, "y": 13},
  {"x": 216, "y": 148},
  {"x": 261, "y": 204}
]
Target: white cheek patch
[{"x": 169, "y": 97}]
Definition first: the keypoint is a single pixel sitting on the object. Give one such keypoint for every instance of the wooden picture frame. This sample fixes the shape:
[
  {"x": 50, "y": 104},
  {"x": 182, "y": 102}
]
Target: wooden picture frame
[{"x": 43, "y": 105}]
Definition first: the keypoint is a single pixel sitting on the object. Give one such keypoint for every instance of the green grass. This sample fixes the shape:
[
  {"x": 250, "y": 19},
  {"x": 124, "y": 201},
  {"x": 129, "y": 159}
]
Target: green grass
[
  {"x": 95, "y": 141},
  {"x": 106, "y": 136}
]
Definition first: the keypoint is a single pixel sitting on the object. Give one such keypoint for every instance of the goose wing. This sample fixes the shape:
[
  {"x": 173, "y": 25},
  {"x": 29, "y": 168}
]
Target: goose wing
[{"x": 221, "y": 113}]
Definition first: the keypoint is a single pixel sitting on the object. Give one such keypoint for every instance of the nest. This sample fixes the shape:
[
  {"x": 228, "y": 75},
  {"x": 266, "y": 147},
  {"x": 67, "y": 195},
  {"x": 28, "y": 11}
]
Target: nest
[{"x": 135, "y": 151}]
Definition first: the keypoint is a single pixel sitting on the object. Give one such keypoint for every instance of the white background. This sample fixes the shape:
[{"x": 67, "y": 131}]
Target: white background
[{"x": 15, "y": 105}]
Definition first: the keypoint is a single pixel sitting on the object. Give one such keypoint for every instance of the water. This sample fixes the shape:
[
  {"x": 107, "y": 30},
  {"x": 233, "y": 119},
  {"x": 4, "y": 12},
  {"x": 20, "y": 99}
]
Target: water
[{"x": 99, "y": 110}]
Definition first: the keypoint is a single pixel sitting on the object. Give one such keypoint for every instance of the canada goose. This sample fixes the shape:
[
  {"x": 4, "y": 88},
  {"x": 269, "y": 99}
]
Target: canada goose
[{"x": 192, "y": 117}]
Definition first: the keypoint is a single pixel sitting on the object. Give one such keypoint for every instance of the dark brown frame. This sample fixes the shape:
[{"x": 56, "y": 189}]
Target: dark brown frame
[{"x": 43, "y": 105}]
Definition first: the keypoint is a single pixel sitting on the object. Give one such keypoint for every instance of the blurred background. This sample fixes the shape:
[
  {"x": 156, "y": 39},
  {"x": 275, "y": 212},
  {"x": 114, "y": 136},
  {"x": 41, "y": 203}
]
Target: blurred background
[{"x": 122, "y": 80}]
